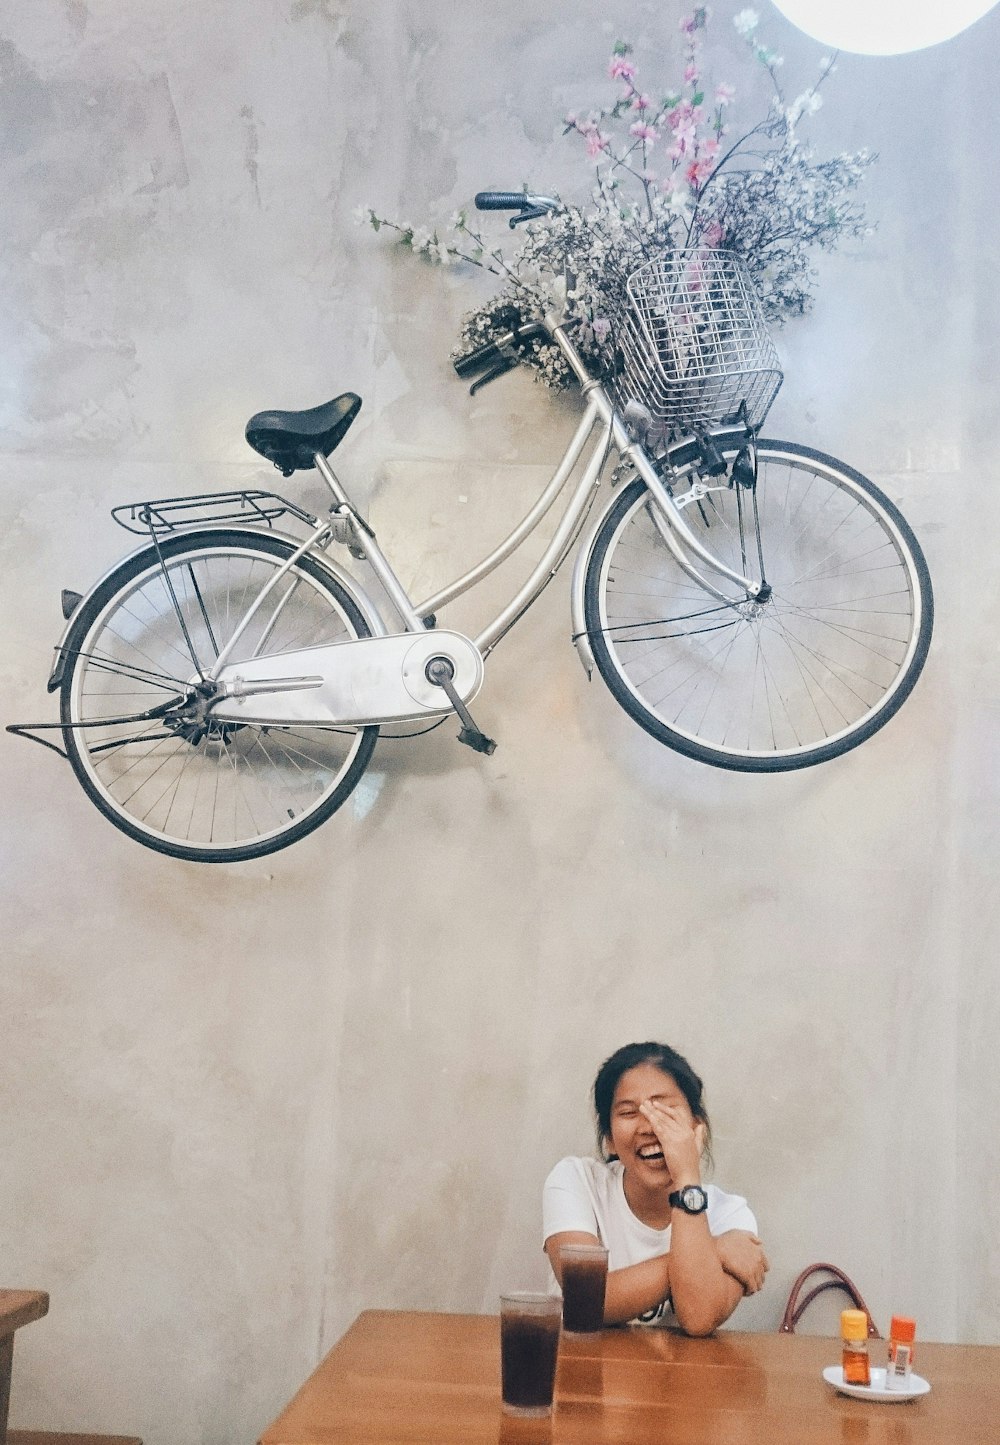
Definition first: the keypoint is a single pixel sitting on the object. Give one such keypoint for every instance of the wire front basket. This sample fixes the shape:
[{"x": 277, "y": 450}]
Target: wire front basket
[{"x": 691, "y": 344}]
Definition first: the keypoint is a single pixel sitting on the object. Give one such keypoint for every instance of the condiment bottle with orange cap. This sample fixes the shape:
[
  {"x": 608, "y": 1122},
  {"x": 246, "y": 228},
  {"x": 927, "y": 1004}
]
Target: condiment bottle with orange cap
[
  {"x": 901, "y": 1333},
  {"x": 854, "y": 1332}
]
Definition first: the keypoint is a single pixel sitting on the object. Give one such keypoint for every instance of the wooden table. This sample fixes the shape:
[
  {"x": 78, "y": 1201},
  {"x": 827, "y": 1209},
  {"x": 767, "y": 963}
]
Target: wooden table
[
  {"x": 17, "y": 1307},
  {"x": 399, "y": 1378}
]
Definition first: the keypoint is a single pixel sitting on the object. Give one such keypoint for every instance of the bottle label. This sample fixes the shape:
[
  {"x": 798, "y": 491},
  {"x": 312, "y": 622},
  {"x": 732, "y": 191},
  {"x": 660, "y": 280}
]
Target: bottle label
[
  {"x": 855, "y": 1363},
  {"x": 898, "y": 1372}
]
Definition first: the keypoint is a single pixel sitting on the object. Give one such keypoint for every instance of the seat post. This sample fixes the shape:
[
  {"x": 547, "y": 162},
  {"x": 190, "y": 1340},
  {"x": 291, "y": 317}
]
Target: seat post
[
  {"x": 370, "y": 549},
  {"x": 330, "y": 477}
]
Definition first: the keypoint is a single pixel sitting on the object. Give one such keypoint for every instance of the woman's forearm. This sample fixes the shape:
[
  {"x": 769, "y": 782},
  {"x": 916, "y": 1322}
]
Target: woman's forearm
[
  {"x": 636, "y": 1289},
  {"x": 703, "y": 1294}
]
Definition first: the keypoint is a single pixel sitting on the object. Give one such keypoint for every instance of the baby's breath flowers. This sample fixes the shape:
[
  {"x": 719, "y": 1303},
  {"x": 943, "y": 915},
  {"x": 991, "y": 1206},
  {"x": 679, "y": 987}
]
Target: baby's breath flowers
[{"x": 668, "y": 170}]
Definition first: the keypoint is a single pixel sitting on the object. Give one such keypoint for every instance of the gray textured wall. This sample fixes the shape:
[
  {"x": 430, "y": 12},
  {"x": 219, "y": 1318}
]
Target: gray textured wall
[{"x": 240, "y": 1104}]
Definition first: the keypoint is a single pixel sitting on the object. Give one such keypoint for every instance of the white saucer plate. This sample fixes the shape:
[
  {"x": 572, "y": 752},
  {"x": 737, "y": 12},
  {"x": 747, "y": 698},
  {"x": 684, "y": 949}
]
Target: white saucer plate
[{"x": 915, "y": 1387}]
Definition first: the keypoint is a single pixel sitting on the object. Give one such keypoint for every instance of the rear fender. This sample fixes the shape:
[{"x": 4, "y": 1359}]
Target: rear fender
[{"x": 340, "y": 574}]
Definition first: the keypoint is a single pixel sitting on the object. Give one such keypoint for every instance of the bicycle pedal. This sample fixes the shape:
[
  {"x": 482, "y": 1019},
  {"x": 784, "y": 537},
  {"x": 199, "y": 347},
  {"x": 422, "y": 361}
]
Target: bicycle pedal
[
  {"x": 478, "y": 741},
  {"x": 441, "y": 672}
]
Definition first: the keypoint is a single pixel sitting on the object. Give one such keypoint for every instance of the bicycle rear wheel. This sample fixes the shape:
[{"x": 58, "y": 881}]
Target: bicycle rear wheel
[
  {"x": 784, "y": 684},
  {"x": 175, "y": 780}
]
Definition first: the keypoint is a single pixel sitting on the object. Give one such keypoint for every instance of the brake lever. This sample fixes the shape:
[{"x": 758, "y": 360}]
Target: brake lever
[
  {"x": 531, "y": 213},
  {"x": 506, "y": 364}
]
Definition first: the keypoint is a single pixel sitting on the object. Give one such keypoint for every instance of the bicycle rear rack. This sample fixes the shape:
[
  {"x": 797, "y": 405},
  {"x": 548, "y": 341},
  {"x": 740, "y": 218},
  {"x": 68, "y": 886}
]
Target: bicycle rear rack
[{"x": 175, "y": 514}]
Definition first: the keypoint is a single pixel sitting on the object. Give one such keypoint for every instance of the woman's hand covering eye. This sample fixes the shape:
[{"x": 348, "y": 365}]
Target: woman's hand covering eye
[{"x": 680, "y": 1139}]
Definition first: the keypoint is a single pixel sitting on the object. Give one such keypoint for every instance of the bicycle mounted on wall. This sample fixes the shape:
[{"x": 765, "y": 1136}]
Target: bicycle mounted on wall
[{"x": 753, "y": 604}]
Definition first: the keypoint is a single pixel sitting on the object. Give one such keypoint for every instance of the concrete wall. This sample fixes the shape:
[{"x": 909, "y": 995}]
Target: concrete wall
[{"x": 242, "y": 1103}]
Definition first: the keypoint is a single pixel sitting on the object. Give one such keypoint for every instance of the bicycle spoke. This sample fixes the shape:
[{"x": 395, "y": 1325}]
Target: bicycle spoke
[{"x": 152, "y": 677}]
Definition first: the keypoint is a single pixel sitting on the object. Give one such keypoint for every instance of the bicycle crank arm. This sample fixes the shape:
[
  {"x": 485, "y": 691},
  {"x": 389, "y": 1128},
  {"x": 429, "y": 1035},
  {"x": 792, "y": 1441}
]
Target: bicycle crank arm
[
  {"x": 440, "y": 672},
  {"x": 348, "y": 684}
]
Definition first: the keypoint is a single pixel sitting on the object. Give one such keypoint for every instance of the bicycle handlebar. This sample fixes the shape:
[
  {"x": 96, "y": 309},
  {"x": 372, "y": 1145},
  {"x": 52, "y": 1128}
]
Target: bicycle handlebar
[
  {"x": 500, "y": 355},
  {"x": 483, "y": 356},
  {"x": 528, "y": 207},
  {"x": 502, "y": 200}
]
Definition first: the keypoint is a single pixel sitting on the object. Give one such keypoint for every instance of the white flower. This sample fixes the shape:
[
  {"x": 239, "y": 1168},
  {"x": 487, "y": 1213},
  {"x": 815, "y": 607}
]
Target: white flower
[
  {"x": 806, "y": 104},
  {"x": 679, "y": 201},
  {"x": 361, "y": 215},
  {"x": 746, "y": 22},
  {"x": 768, "y": 57}
]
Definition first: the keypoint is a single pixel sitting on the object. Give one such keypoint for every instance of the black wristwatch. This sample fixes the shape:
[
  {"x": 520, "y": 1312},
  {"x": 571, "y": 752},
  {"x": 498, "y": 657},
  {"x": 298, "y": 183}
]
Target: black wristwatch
[{"x": 692, "y": 1199}]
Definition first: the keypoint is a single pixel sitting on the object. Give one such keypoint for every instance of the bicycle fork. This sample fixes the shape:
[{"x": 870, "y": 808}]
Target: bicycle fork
[{"x": 666, "y": 512}]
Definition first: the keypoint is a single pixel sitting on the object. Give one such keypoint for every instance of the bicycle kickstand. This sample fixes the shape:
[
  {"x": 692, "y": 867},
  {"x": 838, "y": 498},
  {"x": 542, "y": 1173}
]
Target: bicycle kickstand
[{"x": 440, "y": 672}]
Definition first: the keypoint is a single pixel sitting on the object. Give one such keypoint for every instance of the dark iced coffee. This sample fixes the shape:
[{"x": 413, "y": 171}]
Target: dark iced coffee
[
  {"x": 584, "y": 1281},
  {"x": 529, "y": 1347}
]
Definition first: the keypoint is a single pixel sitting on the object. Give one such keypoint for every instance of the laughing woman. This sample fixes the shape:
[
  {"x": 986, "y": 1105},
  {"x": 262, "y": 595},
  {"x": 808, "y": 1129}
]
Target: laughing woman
[{"x": 678, "y": 1251}]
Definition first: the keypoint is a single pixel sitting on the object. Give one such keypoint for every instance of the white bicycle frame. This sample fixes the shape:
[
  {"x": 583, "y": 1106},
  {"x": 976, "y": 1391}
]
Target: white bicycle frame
[{"x": 384, "y": 678}]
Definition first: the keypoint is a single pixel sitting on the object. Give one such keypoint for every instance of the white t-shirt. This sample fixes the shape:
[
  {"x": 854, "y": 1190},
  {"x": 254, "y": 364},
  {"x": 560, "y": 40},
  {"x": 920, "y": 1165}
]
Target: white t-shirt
[{"x": 588, "y": 1196}]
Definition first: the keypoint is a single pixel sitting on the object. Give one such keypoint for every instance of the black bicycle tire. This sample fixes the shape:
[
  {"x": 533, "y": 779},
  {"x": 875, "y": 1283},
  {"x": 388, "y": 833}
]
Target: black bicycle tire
[
  {"x": 706, "y": 753},
  {"x": 119, "y": 579}
]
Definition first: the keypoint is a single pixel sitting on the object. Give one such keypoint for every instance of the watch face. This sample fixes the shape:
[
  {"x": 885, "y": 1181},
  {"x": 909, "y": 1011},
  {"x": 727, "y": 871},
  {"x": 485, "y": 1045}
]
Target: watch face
[{"x": 694, "y": 1199}]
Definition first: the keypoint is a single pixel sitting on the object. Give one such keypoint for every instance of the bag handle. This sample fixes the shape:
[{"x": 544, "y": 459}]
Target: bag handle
[{"x": 799, "y": 1302}]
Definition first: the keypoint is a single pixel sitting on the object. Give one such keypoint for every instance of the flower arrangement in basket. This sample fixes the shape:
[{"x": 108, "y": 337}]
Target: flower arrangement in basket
[{"x": 695, "y": 234}]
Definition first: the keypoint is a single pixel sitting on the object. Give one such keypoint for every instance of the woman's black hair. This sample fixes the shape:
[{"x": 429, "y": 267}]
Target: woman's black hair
[{"x": 666, "y": 1059}]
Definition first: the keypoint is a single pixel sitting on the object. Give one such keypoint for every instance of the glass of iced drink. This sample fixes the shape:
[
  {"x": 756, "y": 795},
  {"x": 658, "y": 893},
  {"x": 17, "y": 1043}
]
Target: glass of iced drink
[
  {"x": 584, "y": 1280},
  {"x": 529, "y": 1347}
]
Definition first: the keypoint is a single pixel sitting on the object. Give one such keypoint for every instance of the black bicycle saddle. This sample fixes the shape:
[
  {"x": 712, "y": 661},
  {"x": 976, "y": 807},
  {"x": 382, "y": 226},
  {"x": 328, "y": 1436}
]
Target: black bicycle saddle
[{"x": 290, "y": 439}]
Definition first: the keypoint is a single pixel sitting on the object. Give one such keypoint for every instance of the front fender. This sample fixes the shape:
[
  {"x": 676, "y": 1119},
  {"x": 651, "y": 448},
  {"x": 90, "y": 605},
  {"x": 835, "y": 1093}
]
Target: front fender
[{"x": 581, "y": 639}]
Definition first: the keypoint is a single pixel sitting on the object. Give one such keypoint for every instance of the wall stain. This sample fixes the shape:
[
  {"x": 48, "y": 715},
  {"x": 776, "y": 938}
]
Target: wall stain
[
  {"x": 156, "y": 121},
  {"x": 333, "y": 11},
  {"x": 26, "y": 111},
  {"x": 77, "y": 14},
  {"x": 251, "y": 149}
]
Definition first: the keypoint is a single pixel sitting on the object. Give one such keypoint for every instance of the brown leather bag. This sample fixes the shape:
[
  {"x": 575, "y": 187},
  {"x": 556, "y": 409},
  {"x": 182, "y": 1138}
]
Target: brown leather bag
[{"x": 798, "y": 1302}]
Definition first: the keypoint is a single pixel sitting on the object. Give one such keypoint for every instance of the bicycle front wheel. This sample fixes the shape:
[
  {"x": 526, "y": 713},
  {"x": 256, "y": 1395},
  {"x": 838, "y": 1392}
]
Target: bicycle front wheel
[
  {"x": 152, "y": 760},
  {"x": 782, "y": 684}
]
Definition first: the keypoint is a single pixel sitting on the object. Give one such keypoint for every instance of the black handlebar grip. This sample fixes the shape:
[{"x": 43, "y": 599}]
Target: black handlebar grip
[
  {"x": 501, "y": 201},
  {"x": 476, "y": 360}
]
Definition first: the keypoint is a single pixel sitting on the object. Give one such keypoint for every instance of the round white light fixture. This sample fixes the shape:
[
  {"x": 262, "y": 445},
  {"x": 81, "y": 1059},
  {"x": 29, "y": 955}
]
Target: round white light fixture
[{"x": 882, "y": 27}]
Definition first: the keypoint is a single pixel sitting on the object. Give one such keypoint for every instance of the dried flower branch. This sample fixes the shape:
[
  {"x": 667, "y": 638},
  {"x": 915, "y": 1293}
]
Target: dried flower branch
[{"x": 668, "y": 173}]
